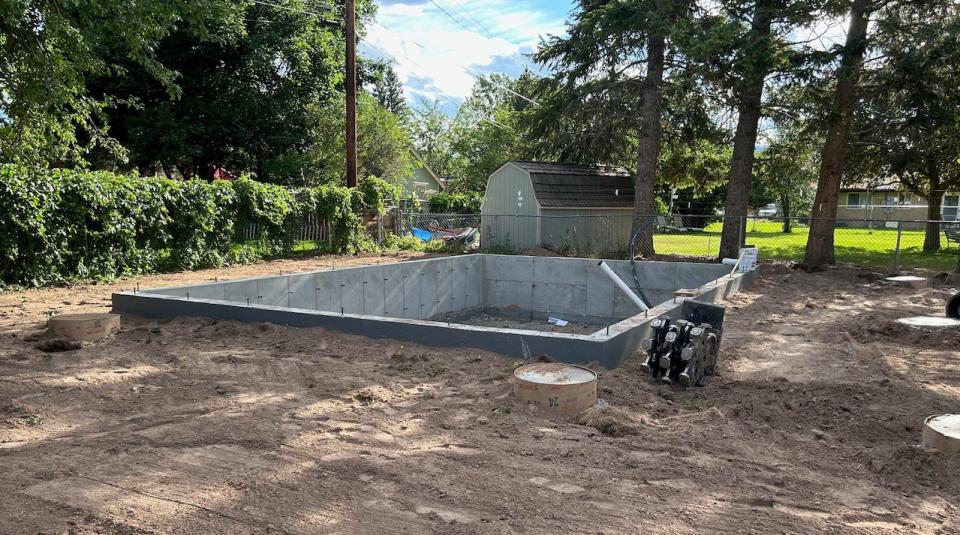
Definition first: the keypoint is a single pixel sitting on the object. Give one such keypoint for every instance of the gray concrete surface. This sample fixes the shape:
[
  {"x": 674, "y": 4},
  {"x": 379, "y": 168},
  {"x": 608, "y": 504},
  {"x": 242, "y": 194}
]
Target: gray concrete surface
[{"x": 414, "y": 301}]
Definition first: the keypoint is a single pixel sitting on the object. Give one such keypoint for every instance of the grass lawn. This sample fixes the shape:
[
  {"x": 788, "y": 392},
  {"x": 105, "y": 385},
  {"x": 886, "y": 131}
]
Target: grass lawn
[{"x": 865, "y": 247}]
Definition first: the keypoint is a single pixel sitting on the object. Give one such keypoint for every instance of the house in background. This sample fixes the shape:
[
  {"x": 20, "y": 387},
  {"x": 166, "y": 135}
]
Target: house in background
[
  {"x": 862, "y": 205},
  {"x": 557, "y": 206},
  {"x": 423, "y": 182}
]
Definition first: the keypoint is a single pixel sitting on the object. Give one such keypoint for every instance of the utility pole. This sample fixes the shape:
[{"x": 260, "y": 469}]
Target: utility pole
[{"x": 350, "y": 34}]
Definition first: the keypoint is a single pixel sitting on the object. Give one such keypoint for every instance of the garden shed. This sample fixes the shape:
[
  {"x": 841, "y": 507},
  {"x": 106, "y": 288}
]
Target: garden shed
[{"x": 577, "y": 208}]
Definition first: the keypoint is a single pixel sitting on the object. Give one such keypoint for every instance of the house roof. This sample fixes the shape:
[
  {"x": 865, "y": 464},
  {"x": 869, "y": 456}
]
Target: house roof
[
  {"x": 441, "y": 182},
  {"x": 887, "y": 185},
  {"x": 567, "y": 185}
]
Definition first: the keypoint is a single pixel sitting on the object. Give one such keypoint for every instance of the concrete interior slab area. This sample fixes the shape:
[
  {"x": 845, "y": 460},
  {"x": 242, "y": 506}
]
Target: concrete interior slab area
[{"x": 420, "y": 300}]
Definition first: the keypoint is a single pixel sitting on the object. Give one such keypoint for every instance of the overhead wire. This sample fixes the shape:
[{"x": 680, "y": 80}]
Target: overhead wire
[
  {"x": 486, "y": 31},
  {"x": 474, "y": 19},
  {"x": 407, "y": 57},
  {"x": 466, "y": 69},
  {"x": 296, "y": 10},
  {"x": 320, "y": 16},
  {"x": 431, "y": 85}
]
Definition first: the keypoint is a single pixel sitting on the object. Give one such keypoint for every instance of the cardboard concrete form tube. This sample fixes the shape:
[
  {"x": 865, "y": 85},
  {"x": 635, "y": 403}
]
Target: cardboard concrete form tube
[
  {"x": 941, "y": 432},
  {"x": 84, "y": 327},
  {"x": 909, "y": 281},
  {"x": 554, "y": 388}
]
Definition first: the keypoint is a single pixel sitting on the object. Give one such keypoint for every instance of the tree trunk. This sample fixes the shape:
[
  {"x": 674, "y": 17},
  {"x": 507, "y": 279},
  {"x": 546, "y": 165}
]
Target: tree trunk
[
  {"x": 785, "y": 204},
  {"x": 261, "y": 171},
  {"x": 823, "y": 220},
  {"x": 204, "y": 169},
  {"x": 931, "y": 233},
  {"x": 644, "y": 207},
  {"x": 749, "y": 99}
]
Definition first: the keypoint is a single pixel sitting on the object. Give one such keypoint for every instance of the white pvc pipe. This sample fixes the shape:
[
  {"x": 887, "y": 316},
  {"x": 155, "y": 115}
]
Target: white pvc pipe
[{"x": 622, "y": 285}]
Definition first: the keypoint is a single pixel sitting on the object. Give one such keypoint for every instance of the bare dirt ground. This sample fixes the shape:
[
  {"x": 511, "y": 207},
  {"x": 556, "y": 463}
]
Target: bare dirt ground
[
  {"x": 198, "y": 426},
  {"x": 536, "y": 324}
]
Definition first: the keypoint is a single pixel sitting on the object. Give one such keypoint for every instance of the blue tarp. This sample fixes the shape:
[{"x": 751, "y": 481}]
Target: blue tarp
[{"x": 424, "y": 235}]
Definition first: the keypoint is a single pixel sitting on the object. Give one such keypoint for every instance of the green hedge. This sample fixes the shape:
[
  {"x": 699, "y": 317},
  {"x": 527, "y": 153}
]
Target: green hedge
[
  {"x": 456, "y": 203},
  {"x": 58, "y": 225}
]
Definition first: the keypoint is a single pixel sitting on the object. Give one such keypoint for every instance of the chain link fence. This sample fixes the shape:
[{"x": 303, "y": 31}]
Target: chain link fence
[
  {"x": 407, "y": 221},
  {"x": 888, "y": 245}
]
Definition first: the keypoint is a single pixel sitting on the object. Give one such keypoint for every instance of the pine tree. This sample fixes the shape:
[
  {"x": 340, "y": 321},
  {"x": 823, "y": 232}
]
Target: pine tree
[
  {"x": 819, "y": 248},
  {"x": 758, "y": 52},
  {"x": 598, "y": 65},
  {"x": 907, "y": 125},
  {"x": 388, "y": 90}
]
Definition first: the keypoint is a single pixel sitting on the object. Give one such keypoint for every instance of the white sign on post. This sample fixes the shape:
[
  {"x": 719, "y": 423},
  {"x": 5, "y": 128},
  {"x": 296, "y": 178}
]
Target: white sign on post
[{"x": 748, "y": 259}]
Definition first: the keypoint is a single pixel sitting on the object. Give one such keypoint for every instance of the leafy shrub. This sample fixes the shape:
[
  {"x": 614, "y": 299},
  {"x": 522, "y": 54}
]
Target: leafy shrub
[
  {"x": 269, "y": 208},
  {"x": 202, "y": 218},
  {"x": 28, "y": 253},
  {"x": 58, "y": 225},
  {"x": 371, "y": 194},
  {"x": 662, "y": 207},
  {"x": 456, "y": 203},
  {"x": 439, "y": 246},
  {"x": 392, "y": 242},
  {"x": 497, "y": 245}
]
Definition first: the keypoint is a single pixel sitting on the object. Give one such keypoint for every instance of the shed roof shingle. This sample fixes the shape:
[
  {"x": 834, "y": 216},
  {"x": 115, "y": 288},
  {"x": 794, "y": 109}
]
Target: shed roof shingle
[{"x": 582, "y": 186}]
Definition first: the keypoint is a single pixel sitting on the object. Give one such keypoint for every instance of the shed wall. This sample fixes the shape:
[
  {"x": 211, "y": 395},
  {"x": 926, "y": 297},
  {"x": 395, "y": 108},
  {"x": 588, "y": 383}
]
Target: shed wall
[
  {"x": 509, "y": 210},
  {"x": 586, "y": 231}
]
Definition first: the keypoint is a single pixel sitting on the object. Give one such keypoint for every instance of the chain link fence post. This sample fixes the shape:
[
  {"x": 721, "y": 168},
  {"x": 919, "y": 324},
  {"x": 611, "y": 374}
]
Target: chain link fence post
[
  {"x": 743, "y": 230},
  {"x": 896, "y": 253}
]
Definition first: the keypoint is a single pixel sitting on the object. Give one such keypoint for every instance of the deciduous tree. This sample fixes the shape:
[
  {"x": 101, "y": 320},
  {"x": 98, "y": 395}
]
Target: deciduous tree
[{"x": 49, "y": 49}]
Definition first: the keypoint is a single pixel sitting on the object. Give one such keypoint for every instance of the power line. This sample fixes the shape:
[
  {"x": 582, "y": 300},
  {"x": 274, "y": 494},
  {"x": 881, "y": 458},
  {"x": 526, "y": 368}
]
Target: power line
[
  {"x": 431, "y": 85},
  {"x": 454, "y": 19},
  {"x": 318, "y": 15},
  {"x": 295, "y": 10},
  {"x": 468, "y": 70},
  {"x": 474, "y": 19},
  {"x": 486, "y": 31},
  {"x": 375, "y": 47},
  {"x": 394, "y": 58}
]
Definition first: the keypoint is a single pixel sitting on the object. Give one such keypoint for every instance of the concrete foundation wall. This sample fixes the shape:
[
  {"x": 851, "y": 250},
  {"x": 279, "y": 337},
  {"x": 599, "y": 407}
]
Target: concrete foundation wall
[
  {"x": 404, "y": 301},
  {"x": 576, "y": 288},
  {"x": 415, "y": 290}
]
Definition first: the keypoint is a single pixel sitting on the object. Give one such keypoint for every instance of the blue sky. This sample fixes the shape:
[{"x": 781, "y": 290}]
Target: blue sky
[
  {"x": 438, "y": 46},
  {"x": 433, "y": 53}
]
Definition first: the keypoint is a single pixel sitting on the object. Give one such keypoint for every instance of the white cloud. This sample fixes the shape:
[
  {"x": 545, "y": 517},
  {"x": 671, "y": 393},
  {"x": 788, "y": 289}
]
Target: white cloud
[{"x": 432, "y": 52}]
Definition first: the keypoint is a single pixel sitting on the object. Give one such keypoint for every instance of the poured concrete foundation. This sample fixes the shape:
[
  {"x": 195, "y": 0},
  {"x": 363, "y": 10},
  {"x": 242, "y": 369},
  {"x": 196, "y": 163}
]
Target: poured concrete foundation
[{"x": 420, "y": 300}]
